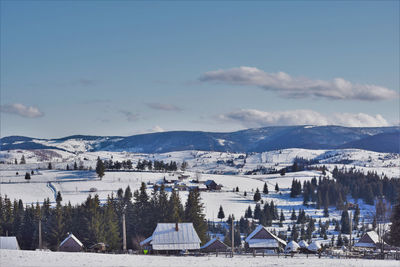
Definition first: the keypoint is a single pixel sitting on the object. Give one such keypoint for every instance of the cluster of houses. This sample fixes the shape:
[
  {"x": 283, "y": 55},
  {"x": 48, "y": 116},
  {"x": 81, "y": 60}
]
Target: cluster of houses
[
  {"x": 183, "y": 182},
  {"x": 172, "y": 238}
]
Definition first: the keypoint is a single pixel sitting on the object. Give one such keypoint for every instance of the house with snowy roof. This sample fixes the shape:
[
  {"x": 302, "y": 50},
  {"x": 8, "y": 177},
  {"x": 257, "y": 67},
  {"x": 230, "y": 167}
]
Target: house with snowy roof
[
  {"x": 214, "y": 245},
  {"x": 9, "y": 242},
  {"x": 212, "y": 185},
  {"x": 370, "y": 240},
  {"x": 172, "y": 238},
  {"x": 262, "y": 238},
  {"x": 71, "y": 244}
]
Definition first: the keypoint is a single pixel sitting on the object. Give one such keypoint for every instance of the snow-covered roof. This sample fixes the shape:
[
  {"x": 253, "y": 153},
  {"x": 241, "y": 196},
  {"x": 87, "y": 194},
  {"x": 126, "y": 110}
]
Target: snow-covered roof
[
  {"x": 165, "y": 237},
  {"x": 9, "y": 242},
  {"x": 292, "y": 246},
  {"x": 374, "y": 236},
  {"x": 303, "y": 244},
  {"x": 259, "y": 228},
  {"x": 314, "y": 246},
  {"x": 74, "y": 238},
  {"x": 209, "y": 243},
  {"x": 209, "y": 182},
  {"x": 147, "y": 240}
]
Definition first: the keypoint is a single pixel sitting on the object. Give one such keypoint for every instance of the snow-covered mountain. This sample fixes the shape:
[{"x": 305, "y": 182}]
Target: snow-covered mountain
[{"x": 380, "y": 139}]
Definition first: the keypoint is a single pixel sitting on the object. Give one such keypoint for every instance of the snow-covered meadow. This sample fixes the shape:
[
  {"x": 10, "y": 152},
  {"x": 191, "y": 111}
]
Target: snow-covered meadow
[{"x": 11, "y": 258}]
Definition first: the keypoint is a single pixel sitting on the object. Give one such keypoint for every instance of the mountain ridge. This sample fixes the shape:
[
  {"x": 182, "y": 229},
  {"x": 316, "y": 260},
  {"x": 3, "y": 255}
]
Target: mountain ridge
[{"x": 380, "y": 139}]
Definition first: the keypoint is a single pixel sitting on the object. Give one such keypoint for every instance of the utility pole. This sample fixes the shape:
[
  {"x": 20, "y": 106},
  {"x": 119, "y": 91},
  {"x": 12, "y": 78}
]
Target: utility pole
[
  {"x": 351, "y": 230},
  {"x": 233, "y": 236},
  {"x": 40, "y": 235},
  {"x": 123, "y": 232}
]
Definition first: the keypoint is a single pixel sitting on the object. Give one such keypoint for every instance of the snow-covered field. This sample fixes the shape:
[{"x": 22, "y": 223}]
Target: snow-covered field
[
  {"x": 214, "y": 162},
  {"x": 11, "y": 258},
  {"x": 75, "y": 186}
]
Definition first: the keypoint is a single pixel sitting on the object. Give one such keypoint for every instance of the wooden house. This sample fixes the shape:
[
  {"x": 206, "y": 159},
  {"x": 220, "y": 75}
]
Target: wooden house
[
  {"x": 71, "y": 244},
  {"x": 261, "y": 238},
  {"x": 173, "y": 238},
  {"x": 212, "y": 185},
  {"x": 370, "y": 240}
]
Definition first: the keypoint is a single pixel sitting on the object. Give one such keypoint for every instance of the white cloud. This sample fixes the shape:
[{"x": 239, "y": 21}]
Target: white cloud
[
  {"x": 258, "y": 118},
  {"x": 164, "y": 107},
  {"x": 21, "y": 110},
  {"x": 299, "y": 87},
  {"x": 157, "y": 129}
]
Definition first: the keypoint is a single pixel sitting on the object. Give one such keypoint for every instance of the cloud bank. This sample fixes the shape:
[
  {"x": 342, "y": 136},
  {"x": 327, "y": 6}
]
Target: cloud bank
[
  {"x": 164, "y": 107},
  {"x": 299, "y": 87},
  {"x": 21, "y": 110},
  {"x": 257, "y": 118}
]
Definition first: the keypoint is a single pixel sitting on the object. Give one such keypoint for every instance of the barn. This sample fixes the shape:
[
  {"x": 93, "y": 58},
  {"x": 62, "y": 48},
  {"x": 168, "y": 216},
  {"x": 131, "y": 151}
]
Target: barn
[
  {"x": 9, "y": 242},
  {"x": 71, "y": 244},
  {"x": 173, "y": 238},
  {"x": 214, "y": 245},
  {"x": 261, "y": 238}
]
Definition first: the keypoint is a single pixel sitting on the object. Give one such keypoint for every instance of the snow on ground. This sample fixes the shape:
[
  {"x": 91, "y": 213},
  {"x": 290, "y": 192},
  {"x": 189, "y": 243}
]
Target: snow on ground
[
  {"x": 209, "y": 161},
  {"x": 11, "y": 258}
]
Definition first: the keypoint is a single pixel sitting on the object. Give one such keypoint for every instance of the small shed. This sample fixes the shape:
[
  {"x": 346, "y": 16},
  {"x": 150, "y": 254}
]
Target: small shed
[
  {"x": 71, "y": 244},
  {"x": 173, "y": 237},
  {"x": 9, "y": 242},
  {"x": 214, "y": 245},
  {"x": 261, "y": 238},
  {"x": 292, "y": 246},
  {"x": 212, "y": 185}
]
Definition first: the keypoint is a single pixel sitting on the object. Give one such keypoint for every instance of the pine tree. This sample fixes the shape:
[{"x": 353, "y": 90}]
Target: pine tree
[
  {"x": 326, "y": 212},
  {"x": 395, "y": 219},
  {"x": 111, "y": 230},
  {"x": 295, "y": 233},
  {"x": 293, "y": 217},
  {"x": 75, "y": 166},
  {"x": 27, "y": 176},
  {"x": 356, "y": 217},
  {"x": 345, "y": 222},
  {"x": 282, "y": 217},
  {"x": 59, "y": 197},
  {"x": 257, "y": 195},
  {"x": 49, "y": 166},
  {"x": 57, "y": 226},
  {"x": 194, "y": 213},
  {"x": 339, "y": 242},
  {"x": 248, "y": 213},
  {"x": 221, "y": 214},
  {"x": 265, "y": 189},
  {"x": 100, "y": 168},
  {"x": 22, "y": 161},
  {"x": 257, "y": 212},
  {"x": 277, "y": 187}
]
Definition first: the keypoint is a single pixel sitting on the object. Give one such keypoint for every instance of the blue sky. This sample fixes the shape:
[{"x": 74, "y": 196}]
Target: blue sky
[{"x": 122, "y": 68}]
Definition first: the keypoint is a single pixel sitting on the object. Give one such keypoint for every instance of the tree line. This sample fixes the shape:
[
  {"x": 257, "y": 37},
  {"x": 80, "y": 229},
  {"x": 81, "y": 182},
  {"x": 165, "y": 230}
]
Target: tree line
[{"x": 93, "y": 222}]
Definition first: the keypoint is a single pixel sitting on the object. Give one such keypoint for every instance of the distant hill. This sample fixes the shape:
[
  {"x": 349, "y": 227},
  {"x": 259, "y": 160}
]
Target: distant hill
[{"x": 380, "y": 139}]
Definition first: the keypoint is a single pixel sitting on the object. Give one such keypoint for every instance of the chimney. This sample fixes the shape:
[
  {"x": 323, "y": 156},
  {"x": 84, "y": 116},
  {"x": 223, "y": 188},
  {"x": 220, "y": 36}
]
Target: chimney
[{"x": 176, "y": 226}]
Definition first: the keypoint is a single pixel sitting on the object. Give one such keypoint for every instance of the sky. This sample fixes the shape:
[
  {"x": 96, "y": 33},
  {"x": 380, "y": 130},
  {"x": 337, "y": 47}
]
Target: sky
[{"x": 132, "y": 67}]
